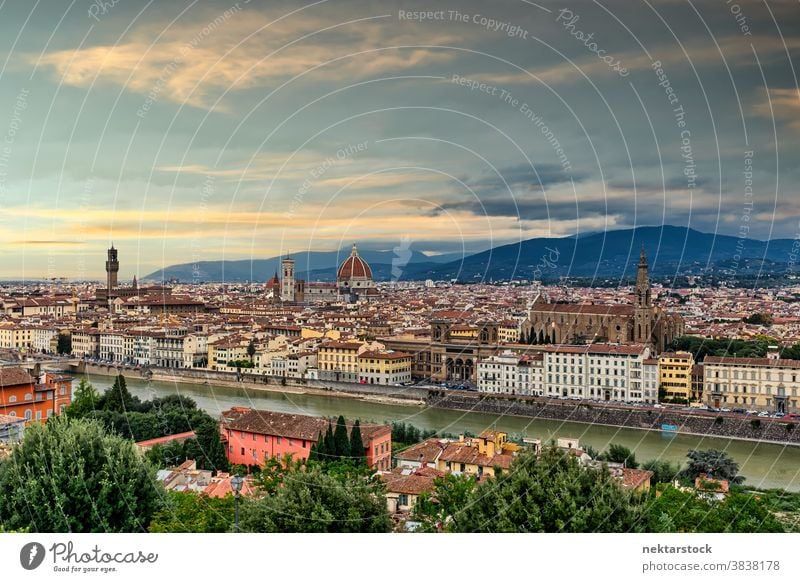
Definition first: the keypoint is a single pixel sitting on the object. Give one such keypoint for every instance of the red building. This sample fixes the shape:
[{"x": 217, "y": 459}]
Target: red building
[
  {"x": 33, "y": 397},
  {"x": 254, "y": 436}
]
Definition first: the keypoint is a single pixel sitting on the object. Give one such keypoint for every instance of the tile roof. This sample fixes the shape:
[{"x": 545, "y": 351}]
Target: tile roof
[
  {"x": 14, "y": 376},
  {"x": 409, "y": 481}
]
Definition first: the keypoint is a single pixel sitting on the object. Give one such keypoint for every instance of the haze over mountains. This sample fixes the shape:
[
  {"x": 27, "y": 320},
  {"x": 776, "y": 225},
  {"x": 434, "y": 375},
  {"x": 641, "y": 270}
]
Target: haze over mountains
[{"x": 671, "y": 250}]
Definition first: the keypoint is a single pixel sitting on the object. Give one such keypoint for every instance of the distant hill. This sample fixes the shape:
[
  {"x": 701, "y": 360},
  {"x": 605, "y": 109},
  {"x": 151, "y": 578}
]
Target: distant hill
[
  {"x": 671, "y": 250},
  {"x": 314, "y": 265}
]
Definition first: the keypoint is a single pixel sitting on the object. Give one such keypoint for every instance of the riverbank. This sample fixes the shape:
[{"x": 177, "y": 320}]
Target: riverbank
[
  {"x": 372, "y": 393},
  {"x": 680, "y": 422},
  {"x": 724, "y": 426}
]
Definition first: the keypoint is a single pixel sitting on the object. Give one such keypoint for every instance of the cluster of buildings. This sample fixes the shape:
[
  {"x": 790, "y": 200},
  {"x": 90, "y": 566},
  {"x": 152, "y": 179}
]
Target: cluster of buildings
[
  {"x": 26, "y": 397},
  {"x": 609, "y": 344}
]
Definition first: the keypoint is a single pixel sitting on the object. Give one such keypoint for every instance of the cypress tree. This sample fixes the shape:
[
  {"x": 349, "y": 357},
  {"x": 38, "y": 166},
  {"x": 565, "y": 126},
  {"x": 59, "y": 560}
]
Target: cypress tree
[
  {"x": 317, "y": 449},
  {"x": 118, "y": 398},
  {"x": 356, "y": 443},
  {"x": 340, "y": 439},
  {"x": 329, "y": 447}
]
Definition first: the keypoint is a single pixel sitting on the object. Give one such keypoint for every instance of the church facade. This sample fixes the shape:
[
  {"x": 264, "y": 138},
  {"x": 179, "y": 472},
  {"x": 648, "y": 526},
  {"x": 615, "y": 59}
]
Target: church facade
[{"x": 641, "y": 323}]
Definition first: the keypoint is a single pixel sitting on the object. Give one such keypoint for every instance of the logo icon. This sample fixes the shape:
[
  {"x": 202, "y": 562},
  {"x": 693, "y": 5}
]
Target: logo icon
[{"x": 31, "y": 555}]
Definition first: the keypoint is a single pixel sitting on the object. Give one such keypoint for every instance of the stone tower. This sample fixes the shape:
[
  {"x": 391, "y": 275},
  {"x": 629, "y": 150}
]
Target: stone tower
[
  {"x": 112, "y": 268},
  {"x": 287, "y": 280},
  {"x": 643, "y": 305}
]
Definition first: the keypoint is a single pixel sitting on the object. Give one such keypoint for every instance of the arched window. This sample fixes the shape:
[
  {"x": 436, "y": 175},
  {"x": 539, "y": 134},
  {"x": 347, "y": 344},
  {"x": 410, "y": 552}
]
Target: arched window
[
  {"x": 12, "y": 398},
  {"x": 28, "y": 414}
]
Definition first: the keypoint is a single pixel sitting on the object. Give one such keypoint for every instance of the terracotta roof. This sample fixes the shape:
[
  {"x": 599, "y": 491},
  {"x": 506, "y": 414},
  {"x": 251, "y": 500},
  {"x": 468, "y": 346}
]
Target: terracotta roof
[
  {"x": 14, "y": 377},
  {"x": 165, "y": 439},
  {"x": 580, "y": 309},
  {"x": 783, "y": 363},
  {"x": 429, "y": 450},
  {"x": 400, "y": 480},
  {"x": 634, "y": 478},
  {"x": 287, "y": 425},
  {"x": 469, "y": 455},
  {"x": 354, "y": 267}
]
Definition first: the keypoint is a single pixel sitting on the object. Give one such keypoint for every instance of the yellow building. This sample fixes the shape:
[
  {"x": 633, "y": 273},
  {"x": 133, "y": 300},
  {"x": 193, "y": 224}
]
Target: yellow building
[
  {"x": 488, "y": 454},
  {"x": 768, "y": 384},
  {"x": 381, "y": 367},
  {"x": 14, "y": 336},
  {"x": 338, "y": 360},
  {"x": 675, "y": 375}
]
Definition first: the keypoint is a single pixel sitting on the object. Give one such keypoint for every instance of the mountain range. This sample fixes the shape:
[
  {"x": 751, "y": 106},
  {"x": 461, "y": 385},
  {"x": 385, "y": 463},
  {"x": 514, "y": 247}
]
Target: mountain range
[{"x": 670, "y": 250}]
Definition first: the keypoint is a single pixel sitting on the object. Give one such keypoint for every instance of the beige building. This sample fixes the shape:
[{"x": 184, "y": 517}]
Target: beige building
[
  {"x": 675, "y": 375},
  {"x": 769, "y": 384},
  {"x": 382, "y": 367}
]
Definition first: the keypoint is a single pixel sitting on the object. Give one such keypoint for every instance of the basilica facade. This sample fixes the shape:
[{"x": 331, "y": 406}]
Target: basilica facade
[{"x": 569, "y": 323}]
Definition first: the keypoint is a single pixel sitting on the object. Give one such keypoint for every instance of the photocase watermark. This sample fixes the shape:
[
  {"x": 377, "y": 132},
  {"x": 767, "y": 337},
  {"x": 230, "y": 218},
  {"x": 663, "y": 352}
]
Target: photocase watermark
[
  {"x": 741, "y": 19},
  {"x": 490, "y": 24},
  {"x": 506, "y": 97},
  {"x": 320, "y": 170},
  {"x": 170, "y": 68},
  {"x": 402, "y": 256},
  {"x": 568, "y": 19},
  {"x": 31, "y": 555},
  {"x": 197, "y": 244},
  {"x": 20, "y": 105},
  {"x": 679, "y": 114},
  {"x": 548, "y": 260},
  {"x": 747, "y": 210},
  {"x": 84, "y": 205},
  {"x": 65, "y": 558},
  {"x": 100, "y": 8}
]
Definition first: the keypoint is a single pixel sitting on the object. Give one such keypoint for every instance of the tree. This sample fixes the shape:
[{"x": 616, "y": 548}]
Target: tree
[
  {"x": 84, "y": 400},
  {"x": 330, "y": 446},
  {"x": 69, "y": 475},
  {"x": 212, "y": 451},
  {"x": 663, "y": 471},
  {"x": 341, "y": 441},
  {"x": 118, "y": 398},
  {"x": 715, "y": 464},
  {"x": 356, "y": 443},
  {"x": 551, "y": 492},
  {"x": 621, "y": 454},
  {"x": 317, "y": 450},
  {"x": 251, "y": 350},
  {"x": 188, "y": 512},
  {"x": 676, "y": 511},
  {"x": 313, "y": 501},
  {"x": 64, "y": 343},
  {"x": 445, "y": 503}
]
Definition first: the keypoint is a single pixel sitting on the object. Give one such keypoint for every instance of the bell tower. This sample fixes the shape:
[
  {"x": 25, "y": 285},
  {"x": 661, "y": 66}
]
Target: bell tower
[
  {"x": 287, "y": 280},
  {"x": 643, "y": 308},
  {"x": 112, "y": 268}
]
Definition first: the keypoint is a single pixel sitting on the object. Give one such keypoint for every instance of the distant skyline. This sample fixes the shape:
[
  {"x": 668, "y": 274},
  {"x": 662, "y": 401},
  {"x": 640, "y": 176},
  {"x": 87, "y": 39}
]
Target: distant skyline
[{"x": 187, "y": 131}]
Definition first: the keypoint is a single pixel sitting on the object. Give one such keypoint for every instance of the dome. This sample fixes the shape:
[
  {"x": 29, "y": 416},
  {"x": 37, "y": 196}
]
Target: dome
[{"x": 354, "y": 268}]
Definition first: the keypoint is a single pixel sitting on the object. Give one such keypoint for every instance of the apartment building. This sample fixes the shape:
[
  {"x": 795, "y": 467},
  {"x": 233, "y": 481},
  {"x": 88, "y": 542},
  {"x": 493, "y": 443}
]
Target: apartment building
[
  {"x": 510, "y": 373},
  {"x": 675, "y": 375},
  {"x": 597, "y": 371},
  {"x": 766, "y": 384},
  {"x": 384, "y": 367}
]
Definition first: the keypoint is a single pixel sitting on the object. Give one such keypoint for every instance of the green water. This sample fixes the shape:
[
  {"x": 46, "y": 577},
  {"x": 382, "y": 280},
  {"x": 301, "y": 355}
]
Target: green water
[{"x": 764, "y": 465}]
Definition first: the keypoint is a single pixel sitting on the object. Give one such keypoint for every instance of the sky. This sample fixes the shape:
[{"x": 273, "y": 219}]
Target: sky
[{"x": 184, "y": 131}]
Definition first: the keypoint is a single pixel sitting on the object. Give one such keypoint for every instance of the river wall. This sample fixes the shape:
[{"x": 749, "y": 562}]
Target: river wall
[
  {"x": 723, "y": 425},
  {"x": 201, "y": 376}
]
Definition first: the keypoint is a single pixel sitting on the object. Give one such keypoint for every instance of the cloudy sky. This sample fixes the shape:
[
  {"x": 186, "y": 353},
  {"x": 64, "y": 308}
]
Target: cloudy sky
[{"x": 190, "y": 130}]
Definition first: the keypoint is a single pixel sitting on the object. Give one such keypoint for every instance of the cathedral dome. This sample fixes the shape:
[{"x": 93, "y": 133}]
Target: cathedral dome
[{"x": 354, "y": 268}]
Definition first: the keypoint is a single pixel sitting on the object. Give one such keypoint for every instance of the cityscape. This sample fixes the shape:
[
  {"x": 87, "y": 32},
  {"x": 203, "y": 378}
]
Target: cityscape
[{"x": 400, "y": 269}]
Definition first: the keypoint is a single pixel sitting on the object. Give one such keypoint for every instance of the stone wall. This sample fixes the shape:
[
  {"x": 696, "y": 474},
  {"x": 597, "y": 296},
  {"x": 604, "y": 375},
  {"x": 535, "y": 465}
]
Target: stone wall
[{"x": 721, "y": 425}]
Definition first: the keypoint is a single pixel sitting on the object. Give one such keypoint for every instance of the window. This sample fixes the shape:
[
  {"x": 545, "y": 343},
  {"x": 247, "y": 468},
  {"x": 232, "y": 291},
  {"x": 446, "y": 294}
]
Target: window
[
  {"x": 29, "y": 396},
  {"x": 278, "y": 440},
  {"x": 38, "y": 415},
  {"x": 12, "y": 399},
  {"x": 402, "y": 499},
  {"x": 243, "y": 450},
  {"x": 28, "y": 414}
]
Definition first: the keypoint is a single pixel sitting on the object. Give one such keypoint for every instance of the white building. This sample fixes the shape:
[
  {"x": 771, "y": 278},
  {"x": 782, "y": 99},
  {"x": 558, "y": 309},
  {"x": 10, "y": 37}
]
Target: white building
[
  {"x": 650, "y": 380},
  {"x": 508, "y": 373},
  {"x": 597, "y": 371}
]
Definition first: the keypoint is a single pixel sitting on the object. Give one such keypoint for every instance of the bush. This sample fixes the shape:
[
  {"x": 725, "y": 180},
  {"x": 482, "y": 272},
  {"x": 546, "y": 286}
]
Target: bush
[
  {"x": 719, "y": 420},
  {"x": 755, "y": 423}
]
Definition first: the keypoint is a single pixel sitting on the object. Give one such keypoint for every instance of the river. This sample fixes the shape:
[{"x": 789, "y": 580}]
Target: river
[{"x": 764, "y": 465}]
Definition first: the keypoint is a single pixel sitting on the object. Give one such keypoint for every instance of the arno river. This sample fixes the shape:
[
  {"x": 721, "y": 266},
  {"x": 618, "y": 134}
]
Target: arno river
[{"x": 764, "y": 465}]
